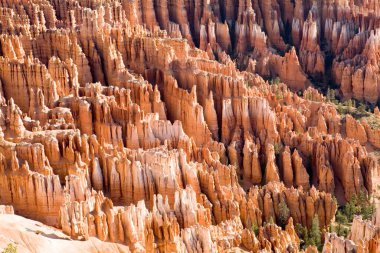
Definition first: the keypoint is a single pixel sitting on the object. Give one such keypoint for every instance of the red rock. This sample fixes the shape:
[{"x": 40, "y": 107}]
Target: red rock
[{"x": 135, "y": 122}]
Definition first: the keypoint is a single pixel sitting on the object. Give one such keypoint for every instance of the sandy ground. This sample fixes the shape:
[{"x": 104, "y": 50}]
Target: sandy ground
[{"x": 32, "y": 236}]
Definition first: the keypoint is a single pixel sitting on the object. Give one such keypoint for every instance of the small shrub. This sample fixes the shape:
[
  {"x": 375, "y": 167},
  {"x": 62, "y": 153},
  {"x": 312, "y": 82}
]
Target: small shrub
[
  {"x": 340, "y": 109},
  {"x": 302, "y": 234},
  {"x": 277, "y": 148},
  {"x": 341, "y": 218},
  {"x": 284, "y": 213},
  {"x": 255, "y": 229},
  {"x": 342, "y": 230},
  {"x": 275, "y": 81},
  {"x": 373, "y": 122},
  {"x": 10, "y": 249},
  {"x": 362, "y": 108},
  {"x": 351, "y": 104},
  {"x": 279, "y": 95},
  {"x": 311, "y": 237},
  {"x": 331, "y": 96},
  {"x": 314, "y": 237},
  {"x": 359, "y": 204}
]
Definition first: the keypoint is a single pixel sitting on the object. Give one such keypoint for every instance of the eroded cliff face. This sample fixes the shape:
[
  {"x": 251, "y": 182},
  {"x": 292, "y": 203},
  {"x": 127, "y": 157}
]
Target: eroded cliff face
[
  {"x": 294, "y": 40},
  {"x": 364, "y": 237},
  {"x": 128, "y": 121}
]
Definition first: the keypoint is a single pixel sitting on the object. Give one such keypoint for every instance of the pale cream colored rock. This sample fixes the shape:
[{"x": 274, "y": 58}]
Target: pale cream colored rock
[{"x": 157, "y": 140}]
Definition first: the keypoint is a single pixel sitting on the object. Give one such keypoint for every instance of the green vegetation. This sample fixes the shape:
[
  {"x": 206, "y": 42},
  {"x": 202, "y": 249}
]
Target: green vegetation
[
  {"x": 349, "y": 107},
  {"x": 359, "y": 204},
  {"x": 284, "y": 214},
  {"x": 373, "y": 121},
  {"x": 301, "y": 232},
  {"x": 277, "y": 148},
  {"x": 362, "y": 108},
  {"x": 331, "y": 96},
  {"x": 307, "y": 95},
  {"x": 341, "y": 226},
  {"x": 247, "y": 84},
  {"x": 359, "y": 110},
  {"x": 255, "y": 229},
  {"x": 275, "y": 81},
  {"x": 310, "y": 237},
  {"x": 356, "y": 108},
  {"x": 279, "y": 94},
  {"x": 315, "y": 234},
  {"x": 10, "y": 249},
  {"x": 341, "y": 218}
]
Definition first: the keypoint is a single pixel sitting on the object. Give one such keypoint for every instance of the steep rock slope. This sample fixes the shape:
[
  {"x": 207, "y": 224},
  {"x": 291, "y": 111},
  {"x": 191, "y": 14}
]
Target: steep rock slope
[{"x": 128, "y": 121}]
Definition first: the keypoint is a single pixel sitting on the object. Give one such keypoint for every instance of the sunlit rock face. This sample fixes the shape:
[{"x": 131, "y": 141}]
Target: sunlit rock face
[{"x": 160, "y": 125}]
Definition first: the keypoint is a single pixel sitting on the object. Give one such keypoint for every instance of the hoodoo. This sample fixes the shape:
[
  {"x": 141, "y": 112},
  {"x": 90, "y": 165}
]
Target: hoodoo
[{"x": 189, "y": 126}]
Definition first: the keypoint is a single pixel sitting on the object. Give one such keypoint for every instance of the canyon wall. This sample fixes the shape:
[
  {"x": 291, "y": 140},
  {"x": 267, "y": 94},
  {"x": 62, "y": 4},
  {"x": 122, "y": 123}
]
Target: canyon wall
[{"x": 151, "y": 124}]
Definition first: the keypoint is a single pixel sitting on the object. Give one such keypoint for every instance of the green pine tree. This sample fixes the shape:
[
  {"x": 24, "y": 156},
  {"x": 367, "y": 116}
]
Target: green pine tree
[
  {"x": 314, "y": 234},
  {"x": 283, "y": 213}
]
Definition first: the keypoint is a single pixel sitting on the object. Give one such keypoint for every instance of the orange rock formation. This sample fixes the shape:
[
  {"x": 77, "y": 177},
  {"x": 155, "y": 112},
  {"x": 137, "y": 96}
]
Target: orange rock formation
[{"x": 130, "y": 122}]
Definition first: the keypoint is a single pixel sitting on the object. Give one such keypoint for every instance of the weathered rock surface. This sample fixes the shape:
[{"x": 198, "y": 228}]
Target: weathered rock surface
[
  {"x": 129, "y": 124},
  {"x": 364, "y": 237}
]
